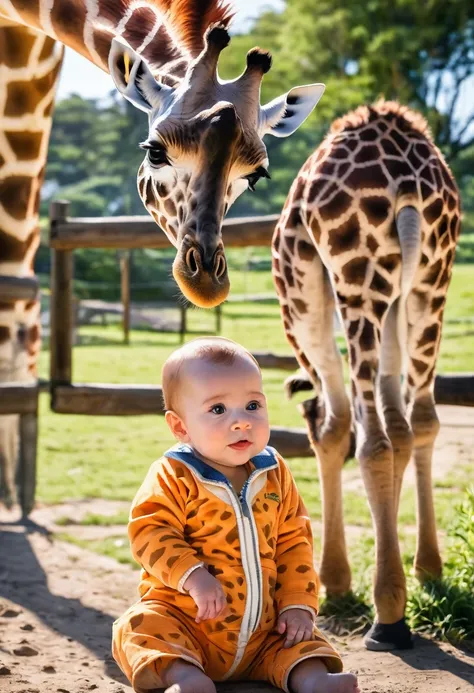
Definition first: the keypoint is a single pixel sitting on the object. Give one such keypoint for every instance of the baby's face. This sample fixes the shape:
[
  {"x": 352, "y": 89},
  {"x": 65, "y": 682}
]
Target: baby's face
[{"x": 224, "y": 410}]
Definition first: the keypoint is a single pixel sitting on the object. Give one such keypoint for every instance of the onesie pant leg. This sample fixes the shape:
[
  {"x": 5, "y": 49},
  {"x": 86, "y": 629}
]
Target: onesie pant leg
[
  {"x": 147, "y": 637},
  {"x": 273, "y": 663}
]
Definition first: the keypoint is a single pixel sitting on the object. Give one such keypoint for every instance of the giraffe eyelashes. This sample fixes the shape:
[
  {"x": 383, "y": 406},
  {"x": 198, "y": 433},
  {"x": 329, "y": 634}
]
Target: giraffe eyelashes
[
  {"x": 254, "y": 177},
  {"x": 156, "y": 154}
]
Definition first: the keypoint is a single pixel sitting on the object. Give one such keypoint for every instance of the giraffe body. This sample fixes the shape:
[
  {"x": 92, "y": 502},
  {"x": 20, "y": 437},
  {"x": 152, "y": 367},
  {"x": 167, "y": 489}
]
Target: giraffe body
[
  {"x": 204, "y": 144},
  {"x": 369, "y": 230}
]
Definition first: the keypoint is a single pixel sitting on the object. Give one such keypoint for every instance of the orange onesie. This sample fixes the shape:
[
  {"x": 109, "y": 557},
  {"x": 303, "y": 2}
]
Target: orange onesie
[{"x": 258, "y": 545}]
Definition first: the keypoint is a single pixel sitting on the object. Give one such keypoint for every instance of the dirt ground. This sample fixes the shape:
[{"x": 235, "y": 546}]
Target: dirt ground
[{"x": 58, "y": 602}]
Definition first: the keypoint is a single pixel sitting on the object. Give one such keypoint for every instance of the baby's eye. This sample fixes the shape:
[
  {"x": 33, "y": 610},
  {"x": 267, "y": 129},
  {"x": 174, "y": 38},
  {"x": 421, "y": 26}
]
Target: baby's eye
[
  {"x": 218, "y": 409},
  {"x": 253, "y": 406}
]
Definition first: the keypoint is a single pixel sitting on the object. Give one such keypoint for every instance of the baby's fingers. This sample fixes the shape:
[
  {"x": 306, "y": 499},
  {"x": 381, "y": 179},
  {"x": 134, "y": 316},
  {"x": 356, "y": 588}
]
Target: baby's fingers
[
  {"x": 295, "y": 635},
  {"x": 203, "y": 610}
]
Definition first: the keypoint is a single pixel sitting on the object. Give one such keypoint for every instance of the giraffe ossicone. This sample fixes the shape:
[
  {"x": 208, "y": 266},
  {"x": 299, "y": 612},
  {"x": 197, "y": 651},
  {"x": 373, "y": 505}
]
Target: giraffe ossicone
[{"x": 204, "y": 148}]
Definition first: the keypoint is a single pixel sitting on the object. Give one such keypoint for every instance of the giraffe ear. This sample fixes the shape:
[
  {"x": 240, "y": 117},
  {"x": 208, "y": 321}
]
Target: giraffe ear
[
  {"x": 282, "y": 116},
  {"x": 133, "y": 77}
]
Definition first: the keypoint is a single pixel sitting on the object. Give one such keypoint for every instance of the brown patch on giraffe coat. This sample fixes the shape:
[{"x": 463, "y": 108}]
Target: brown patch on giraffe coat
[
  {"x": 365, "y": 371},
  {"x": 368, "y": 152},
  {"x": 315, "y": 229},
  {"x": 419, "y": 366},
  {"x": 426, "y": 191},
  {"x": 24, "y": 96},
  {"x": 379, "y": 309},
  {"x": 367, "y": 177},
  {"x": 437, "y": 303},
  {"x": 389, "y": 148},
  {"x": 368, "y": 135},
  {"x": 148, "y": 194},
  {"x": 280, "y": 286},
  {"x": 372, "y": 243},
  {"x": 25, "y": 145},
  {"x": 300, "y": 306},
  {"x": 12, "y": 249},
  {"x": 294, "y": 218},
  {"x": 390, "y": 262},
  {"x": 68, "y": 18},
  {"x": 397, "y": 168},
  {"x": 102, "y": 42},
  {"x": 401, "y": 141},
  {"x": 376, "y": 209},
  {"x": 367, "y": 336},
  {"x": 139, "y": 25},
  {"x": 288, "y": 273},
  {"x": 355, "y": 270},
  {"x": 337, "y": 206},
  {"x": 306, "y": 251},
  {"x": 318, "y": 185},
  {"x": 345, "y": 237},
  {"x": 433, "y": 272},
  {"x": 381, "y": 285},
  {"x": 430, "y": 334},
  {"x": 17, "y": 43}
]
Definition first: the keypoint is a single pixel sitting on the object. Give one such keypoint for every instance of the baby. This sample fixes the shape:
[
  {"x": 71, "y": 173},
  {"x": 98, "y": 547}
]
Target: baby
[{"x": 228, "y": 590}]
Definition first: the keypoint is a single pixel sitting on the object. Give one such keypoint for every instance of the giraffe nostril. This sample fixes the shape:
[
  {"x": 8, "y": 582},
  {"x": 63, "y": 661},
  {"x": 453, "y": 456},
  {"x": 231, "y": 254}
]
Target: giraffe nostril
[
  {"x": 220, "y": 266},
  {"x": 192, "y": 260}
]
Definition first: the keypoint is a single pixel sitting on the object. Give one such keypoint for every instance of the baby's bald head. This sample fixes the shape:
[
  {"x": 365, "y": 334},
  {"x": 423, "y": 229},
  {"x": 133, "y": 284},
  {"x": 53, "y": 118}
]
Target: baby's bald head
[{"x": 216, "y": 350}]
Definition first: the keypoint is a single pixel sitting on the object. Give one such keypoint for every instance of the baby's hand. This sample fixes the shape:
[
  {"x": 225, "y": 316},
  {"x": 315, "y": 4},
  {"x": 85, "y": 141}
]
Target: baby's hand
[
  {"x": 297, "y": 624},
  {"x": 207, "y": 593}
]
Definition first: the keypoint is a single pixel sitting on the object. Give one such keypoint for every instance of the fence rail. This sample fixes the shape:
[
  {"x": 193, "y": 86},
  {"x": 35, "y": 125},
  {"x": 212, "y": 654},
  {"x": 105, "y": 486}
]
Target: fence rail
[
  {"x": 98, "y": 399},
  {"x": 126, "y": 233}
]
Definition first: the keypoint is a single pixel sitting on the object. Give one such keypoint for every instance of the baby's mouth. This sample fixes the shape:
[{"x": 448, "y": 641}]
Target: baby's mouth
[{"x": 241, "y": 445}]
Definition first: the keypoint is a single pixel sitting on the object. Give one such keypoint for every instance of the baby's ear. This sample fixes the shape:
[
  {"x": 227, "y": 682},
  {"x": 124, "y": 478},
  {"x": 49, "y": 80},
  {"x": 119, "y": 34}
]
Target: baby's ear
[{"x": 176, "y": 426}]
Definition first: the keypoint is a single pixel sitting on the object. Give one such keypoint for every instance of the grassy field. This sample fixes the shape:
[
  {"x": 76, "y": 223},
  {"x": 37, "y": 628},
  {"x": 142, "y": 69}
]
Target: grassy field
[{"x": 107, "y": 457}]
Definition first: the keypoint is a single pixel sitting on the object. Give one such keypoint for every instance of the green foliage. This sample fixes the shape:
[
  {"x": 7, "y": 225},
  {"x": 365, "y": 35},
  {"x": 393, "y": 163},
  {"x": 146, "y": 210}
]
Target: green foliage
[
  {"x": 419, "y": 53},
  {"x": 445, "y": 608}
]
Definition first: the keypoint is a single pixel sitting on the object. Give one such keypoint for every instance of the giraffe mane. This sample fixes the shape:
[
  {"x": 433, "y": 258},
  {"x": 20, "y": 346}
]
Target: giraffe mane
[
  {"x": 189, "y": 19},
  {"x": 364, "y": 114}
]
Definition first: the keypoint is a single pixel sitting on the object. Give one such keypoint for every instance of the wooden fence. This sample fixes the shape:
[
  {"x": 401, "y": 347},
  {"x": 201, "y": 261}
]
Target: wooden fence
[{"x": 97, "y": 399}]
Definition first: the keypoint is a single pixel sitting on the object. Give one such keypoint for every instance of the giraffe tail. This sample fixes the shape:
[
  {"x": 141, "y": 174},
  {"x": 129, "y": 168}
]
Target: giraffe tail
[
  {"x": 408, "y": 222},
  {"x": 300, "y": 382}
]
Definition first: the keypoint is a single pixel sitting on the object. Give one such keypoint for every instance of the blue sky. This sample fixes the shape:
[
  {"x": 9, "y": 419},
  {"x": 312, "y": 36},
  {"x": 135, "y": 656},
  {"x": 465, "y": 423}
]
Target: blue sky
[{"x": 79, "y": 76}]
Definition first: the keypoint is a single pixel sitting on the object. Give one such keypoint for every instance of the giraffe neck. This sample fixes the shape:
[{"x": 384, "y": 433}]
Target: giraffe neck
[
  {"x": 29, "y": 68},
  {"x": 163, "y": 31}
]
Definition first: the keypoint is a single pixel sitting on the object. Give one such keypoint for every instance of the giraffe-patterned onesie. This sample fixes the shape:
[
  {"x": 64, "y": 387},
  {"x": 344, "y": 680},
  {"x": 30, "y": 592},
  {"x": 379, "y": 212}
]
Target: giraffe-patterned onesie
[{"x": 258, "y": 545}]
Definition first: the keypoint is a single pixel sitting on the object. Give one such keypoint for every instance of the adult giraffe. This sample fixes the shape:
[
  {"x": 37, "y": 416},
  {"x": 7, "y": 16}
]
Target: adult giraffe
[
  {"x": 369, "y": 229},
  {"x": 203, "y": 149}
]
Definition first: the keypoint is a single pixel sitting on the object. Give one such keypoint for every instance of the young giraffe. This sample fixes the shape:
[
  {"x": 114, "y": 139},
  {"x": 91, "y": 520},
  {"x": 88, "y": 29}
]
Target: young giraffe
[
  {"x": 204, "y": 146},
  {"x": 369, "y": 229}
]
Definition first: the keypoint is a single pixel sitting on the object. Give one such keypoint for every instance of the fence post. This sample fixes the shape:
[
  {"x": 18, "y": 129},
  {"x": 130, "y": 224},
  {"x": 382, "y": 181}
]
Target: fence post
[
  {"x": 219, "y": 318},
  {"x": 27, "y": 460},
  {"x": 62, "y": 314},
  {"x": 125, "y": 294},
  {"x": 182, "y": 327}
]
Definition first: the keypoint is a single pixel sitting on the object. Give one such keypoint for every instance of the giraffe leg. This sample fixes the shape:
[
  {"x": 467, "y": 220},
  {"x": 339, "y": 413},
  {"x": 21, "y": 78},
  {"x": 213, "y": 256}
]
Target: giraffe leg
[
  {"x": 307, "y": 305},
  {"x": 376, "y": 457},
  {"x": 423, "y": 346},
  {"x": 393, "y": 406}
]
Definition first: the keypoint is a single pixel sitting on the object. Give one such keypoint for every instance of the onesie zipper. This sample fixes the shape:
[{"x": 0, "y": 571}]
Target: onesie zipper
[{"x": 250, "y": 553}]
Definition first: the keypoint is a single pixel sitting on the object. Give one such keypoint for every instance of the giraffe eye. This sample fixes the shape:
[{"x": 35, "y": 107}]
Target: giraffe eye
[
  {"x": 157, "y": 157},
  {"x": 156, "y": 154},
  {"x": 254, "y": 177}
]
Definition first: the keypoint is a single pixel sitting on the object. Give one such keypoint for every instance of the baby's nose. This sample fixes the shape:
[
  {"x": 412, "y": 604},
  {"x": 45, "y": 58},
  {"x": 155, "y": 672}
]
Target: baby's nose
[{"x": 241, "y": 424}]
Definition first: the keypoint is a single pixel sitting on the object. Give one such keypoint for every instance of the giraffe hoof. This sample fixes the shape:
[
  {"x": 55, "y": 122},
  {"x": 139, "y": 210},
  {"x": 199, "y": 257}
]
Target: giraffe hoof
[{"x": 383, "y": 637}]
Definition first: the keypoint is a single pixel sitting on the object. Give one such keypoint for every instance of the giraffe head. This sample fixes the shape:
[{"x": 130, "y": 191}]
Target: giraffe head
[{"x": 204, "y": 148}]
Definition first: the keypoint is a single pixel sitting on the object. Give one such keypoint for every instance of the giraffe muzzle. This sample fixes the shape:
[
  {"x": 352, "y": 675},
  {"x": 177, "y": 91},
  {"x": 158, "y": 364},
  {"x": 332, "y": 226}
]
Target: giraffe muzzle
[{"x": 201, "y": 274}]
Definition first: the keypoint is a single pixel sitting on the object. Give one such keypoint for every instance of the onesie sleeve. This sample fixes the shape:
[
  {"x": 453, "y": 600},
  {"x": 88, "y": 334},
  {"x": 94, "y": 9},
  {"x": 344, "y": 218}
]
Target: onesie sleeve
[
  {"x": 297, "y": 582},
  {"x": 156, "y": 526}
]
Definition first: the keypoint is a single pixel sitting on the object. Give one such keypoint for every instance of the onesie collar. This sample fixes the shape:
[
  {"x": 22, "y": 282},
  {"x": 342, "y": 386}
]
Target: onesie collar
[{"x": 181, "y": 451}]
